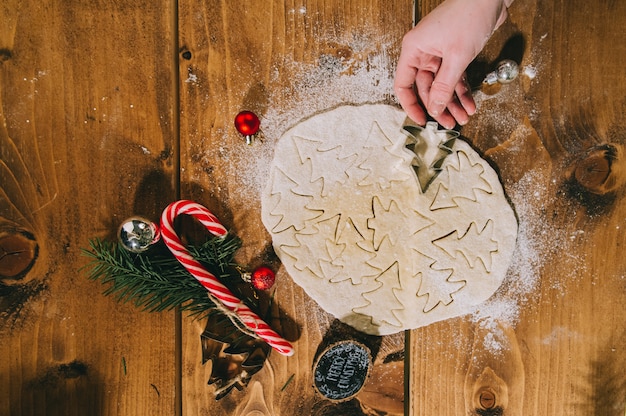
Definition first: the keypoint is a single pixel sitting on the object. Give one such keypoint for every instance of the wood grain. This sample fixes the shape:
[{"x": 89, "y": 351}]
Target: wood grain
[
  {"x": 87, "y": 131},
  {"x": 273, "y": 58},
  {"x": 551, "y": 341},
  {"x": 90, "y": 94}
]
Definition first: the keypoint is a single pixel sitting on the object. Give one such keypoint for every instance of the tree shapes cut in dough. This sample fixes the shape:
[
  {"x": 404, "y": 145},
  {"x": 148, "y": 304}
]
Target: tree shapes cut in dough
[
  {"x": 290, "y": 209},
  {"x": 456, "y": 186},
  {"x": 330, "y": 164},
  {"x": 430, "y": 146},
  {"x": 354, "y": 249},
  {"x": 388, "y": 283},
  {"x": 372, "y": 241},
  {"x": 392, "y": 223},
  {"x": 382, "y": 155},
  {"x": 475, "y": 245}
]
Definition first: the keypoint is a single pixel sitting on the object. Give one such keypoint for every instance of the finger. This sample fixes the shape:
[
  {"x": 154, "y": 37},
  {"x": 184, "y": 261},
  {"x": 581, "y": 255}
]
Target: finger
[
  {"x": 409, "y": 102},
  {"x": 405, "y": 93},
  {"x": 446, "y": 120},
  {"x": 405, "y": 85},
  {"x": 444, "y": 84},
  {"x": 458, "y": 112},
  {"x": 405, "y": 73},
  {"x": 423, "y": 83},
  {"x": 465, "y": 97}
]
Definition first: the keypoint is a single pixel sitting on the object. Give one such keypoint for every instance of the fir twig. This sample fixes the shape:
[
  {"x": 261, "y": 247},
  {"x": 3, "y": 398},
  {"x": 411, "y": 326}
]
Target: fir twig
[{"x": 155, "y": 280}]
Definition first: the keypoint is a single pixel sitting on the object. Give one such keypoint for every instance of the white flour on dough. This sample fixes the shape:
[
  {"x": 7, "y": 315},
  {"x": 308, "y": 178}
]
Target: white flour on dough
[{"x": 353, "y": 226}]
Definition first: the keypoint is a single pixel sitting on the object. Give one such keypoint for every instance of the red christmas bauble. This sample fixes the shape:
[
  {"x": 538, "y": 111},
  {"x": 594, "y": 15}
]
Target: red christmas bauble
[
  {"x": 247, "y": 123},
  {"x": 262, "y": 278}
]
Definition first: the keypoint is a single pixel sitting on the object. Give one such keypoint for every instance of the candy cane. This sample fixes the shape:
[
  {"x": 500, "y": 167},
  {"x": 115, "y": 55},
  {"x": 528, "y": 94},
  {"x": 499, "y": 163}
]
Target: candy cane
[{"x": 208, "y": 280}]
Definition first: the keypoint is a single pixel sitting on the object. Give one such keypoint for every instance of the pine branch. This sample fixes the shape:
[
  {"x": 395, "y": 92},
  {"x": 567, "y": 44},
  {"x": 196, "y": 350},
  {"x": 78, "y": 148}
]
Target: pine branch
[{"x": 155, "y": 280}]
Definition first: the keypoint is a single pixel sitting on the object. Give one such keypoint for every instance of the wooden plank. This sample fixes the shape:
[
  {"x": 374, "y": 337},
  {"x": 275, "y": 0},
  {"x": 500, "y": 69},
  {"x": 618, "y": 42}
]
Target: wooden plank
[
  {"x": 551, "y": 341},
  {"x": 284, "y": 61},
  {"x": 87, "y": 135}
]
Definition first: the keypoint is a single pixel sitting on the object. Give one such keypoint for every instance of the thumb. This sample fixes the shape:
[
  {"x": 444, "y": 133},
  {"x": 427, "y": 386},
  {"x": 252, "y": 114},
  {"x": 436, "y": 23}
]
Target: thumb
[{"x": 442, "y": 88}]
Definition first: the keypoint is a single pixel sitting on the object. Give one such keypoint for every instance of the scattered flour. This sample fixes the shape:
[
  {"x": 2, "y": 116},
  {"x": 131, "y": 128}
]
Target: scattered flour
[
  {"x": 191, "y": 77},
  {"x": 366, "y": 76},
  {"x": 492, "y": 343},
  {"x": 332, "y": 81},
  {"x": 527, "y": 258},
  {"x": 537, "y": 245},
  {"x": 530, "y": 71},
  {"x": 559, "y": 333}
]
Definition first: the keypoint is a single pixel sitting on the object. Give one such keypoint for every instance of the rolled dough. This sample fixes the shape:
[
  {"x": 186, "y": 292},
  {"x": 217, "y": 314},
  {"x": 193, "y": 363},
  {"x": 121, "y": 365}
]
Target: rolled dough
[{"x": 369, "y": 241}]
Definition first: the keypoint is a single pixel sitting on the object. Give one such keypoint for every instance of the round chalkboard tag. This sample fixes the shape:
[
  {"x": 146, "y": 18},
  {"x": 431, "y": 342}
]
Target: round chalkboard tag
[{"x": 341, "y": 370}]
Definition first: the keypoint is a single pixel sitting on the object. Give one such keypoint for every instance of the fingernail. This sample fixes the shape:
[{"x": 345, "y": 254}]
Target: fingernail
[{"x": 436, "y": 108}]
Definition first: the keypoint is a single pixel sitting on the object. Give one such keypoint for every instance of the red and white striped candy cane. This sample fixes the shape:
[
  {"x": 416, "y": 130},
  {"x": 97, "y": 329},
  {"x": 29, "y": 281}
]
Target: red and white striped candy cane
[{"x": 208, "y": 280}]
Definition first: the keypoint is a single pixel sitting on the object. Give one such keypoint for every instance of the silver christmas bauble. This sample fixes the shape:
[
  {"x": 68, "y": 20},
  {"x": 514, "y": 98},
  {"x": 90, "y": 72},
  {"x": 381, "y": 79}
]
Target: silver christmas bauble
[
  {"x": 137, "y": 234},
  {"x": 506, "y": 71}
]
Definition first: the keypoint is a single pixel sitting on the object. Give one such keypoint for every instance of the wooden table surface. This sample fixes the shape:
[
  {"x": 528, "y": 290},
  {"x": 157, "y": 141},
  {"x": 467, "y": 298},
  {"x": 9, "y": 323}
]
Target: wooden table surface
[{"x": 110, "y": 109}]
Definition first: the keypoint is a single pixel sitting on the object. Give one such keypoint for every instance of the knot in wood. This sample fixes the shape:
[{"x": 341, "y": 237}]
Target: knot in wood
[
  {"x": 487, "y": 399},
  {"x": 18, "y": 252},
  {"x": 5, "y": 55},
  {"x": 596, "y": 170}
]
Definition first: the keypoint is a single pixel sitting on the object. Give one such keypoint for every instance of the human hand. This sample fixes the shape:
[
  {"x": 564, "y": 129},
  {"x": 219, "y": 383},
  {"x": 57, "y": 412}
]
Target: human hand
[{"x": 430, "y": 76}]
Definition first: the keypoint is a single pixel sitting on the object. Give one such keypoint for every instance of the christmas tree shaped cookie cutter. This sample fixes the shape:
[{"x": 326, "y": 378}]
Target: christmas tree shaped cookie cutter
[{"x": 431, "y": 146}]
